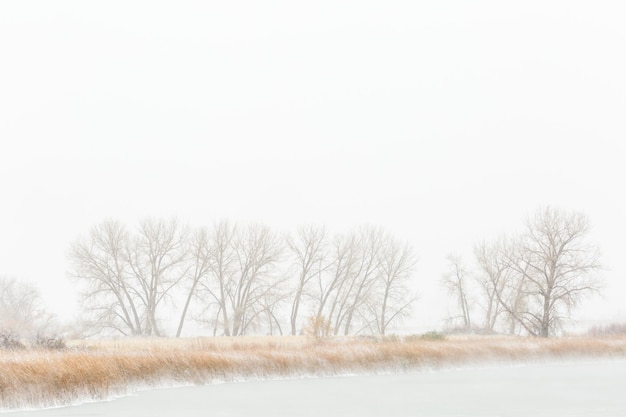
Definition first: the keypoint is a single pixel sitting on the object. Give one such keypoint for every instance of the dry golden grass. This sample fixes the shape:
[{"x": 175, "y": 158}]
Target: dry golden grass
[{"x": 99, "y": 369}]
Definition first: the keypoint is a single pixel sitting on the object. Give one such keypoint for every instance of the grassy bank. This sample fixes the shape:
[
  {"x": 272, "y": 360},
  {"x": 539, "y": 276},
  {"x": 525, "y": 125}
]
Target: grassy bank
[{"x": 100, "y": 369}]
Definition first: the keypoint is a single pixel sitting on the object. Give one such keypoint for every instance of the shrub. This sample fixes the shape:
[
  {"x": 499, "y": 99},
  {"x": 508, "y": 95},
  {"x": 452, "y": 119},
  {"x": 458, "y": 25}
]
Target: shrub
[
  {"x": 431, "y": 335},
  {"x": 49, "y": 342},
  {"x": 613, "y": 329},
  {"x": 318, "y": 327},
  {"x": 9, "y": 340}
]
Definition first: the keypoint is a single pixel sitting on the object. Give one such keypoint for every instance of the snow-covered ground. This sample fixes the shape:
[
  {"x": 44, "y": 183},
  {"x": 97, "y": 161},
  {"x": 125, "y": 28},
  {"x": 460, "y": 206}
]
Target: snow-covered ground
[{"x": 574, "y": 388}]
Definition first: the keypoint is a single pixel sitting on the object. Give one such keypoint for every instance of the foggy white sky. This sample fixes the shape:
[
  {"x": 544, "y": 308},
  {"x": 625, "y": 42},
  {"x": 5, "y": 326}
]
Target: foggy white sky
[{"x": 445, "y": 122}]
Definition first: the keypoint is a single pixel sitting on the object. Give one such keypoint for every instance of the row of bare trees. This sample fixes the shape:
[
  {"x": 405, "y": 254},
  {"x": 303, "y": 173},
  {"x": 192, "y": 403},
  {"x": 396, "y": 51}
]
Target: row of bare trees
[
  {"x": 239, "y": 279},
  {"x": 528, "y": 283}
]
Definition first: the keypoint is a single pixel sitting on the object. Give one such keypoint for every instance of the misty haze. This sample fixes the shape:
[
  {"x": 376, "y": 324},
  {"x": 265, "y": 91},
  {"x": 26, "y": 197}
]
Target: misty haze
[{"x": 338, "y": 208}]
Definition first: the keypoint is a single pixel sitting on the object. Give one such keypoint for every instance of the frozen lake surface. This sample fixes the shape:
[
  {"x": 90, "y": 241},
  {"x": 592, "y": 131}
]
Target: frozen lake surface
[{"x": 583, "y": 388}]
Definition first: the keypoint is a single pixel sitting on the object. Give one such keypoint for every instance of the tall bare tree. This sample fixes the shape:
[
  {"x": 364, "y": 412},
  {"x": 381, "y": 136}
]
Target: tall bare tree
[
  {"x": 456, "y": 281},
  {"x": 538, "y": 277},
  {"x": 213, "y": 291},
  {"x": 369, "y": 242},
  {"x": 257, "y": 252},
  {"x": 100, "y": 262},
  {"x": 308, "y": 251},
  {"x": 490, "y": 280},
  {"x": 558, "y": 266},
  {"x": 502, "y": 287},
  {"x": 199, "y": 260},
  {"x": 393, "y": 296},
  {"x": 333, "y": 286},
  {"x": 365, "y": 285},
  {"x": 157, "y": 260},
  {"x": 243, "y": 285},
  {"x": 127, "y": 277}
]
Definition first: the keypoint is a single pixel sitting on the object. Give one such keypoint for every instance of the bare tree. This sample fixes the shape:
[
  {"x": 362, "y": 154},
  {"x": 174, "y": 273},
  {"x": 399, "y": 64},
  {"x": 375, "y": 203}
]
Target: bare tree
[
  {"x": 157, "y": 260},
  {"x": 369, "y": 242},
  {"x": 213, "y": 291},
  {"x": 364, "y": 285},
  {"x": 502, "y": 287},
  {"x": 488, "y": 277},
  {"x": 257, "y": 252},
  {"x": 455, "y": 280},
  {"x": 537, "y": 278},
  {"x": 100, "y": 261},
  {"x": 21, "y": 310},
  {"x": 333, "y": 287},
  {"x": 127, "y": 277},
  {"x": 243, "y": 285},
  {"x": 558, "y": 267},
  {"x": 199, "y": 264},
  {"x": 394, "y": 298},
  {"x": 270, "y": 306},
  {"x": 308, "y": 250}
]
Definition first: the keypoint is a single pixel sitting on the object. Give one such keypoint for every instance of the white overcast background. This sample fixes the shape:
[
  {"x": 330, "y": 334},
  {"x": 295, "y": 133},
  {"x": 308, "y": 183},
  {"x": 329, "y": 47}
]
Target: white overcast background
[{"x": 445, "y": 122}]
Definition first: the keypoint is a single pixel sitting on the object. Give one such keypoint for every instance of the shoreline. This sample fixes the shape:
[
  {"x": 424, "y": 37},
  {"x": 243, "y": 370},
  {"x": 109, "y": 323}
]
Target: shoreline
[{"x": 102, "y": 370}]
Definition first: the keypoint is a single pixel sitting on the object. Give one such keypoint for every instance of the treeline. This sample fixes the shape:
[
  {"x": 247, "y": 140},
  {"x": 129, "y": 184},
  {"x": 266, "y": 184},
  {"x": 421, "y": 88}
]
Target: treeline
[
  {"x": 231, "y": 279},
  {"x": 240, "y": 279},
  {"x": 529, "y": 282}
]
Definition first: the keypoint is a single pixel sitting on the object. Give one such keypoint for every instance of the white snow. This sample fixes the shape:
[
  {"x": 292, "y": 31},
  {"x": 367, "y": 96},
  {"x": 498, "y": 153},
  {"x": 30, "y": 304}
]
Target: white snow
[{"x": 575, "y": 388}]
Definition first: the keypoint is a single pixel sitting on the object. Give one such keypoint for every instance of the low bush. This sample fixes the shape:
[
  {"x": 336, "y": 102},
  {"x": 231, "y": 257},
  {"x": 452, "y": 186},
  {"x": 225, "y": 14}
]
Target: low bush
[
  {"x": 49, "y": 342},
  {"x": 613, "y": 329},
  {"x": 431, "y": 335},
  {"x": 10, "y": 340},
  {"x": 318, "y": 327}
]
